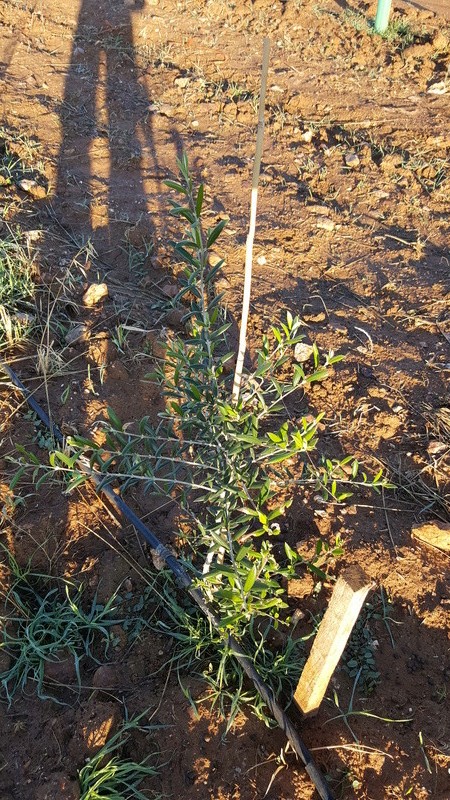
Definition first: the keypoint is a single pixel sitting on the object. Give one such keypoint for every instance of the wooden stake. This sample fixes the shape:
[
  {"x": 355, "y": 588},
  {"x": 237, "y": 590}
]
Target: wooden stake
[
  {"x": 348, "y": 596},
  {"x": 252, "y": 226}
]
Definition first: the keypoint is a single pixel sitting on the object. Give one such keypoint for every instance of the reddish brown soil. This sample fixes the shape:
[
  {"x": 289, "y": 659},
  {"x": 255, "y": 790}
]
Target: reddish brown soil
[{"x": 98, "y": 86}]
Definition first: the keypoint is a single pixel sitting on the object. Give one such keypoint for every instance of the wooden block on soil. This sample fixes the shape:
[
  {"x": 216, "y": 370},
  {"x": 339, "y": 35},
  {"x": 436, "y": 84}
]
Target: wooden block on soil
[
  {"x": 435, "y": 533},
  {"x": 348, "y": 596}
]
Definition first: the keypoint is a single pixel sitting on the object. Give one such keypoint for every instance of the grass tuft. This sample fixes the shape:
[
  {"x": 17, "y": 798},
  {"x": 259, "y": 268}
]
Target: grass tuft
[
  {"x": 43, "y": 624},
  {"x": 108, "y": 776}
]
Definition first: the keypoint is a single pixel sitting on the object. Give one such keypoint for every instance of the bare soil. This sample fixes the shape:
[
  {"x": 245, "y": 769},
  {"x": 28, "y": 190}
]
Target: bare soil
[{"x": 352, "y": 235}]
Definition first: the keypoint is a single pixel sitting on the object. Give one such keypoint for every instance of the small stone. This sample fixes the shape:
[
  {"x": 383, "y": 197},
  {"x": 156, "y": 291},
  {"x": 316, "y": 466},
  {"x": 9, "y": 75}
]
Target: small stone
[
  {"x": 379, "y": 194},
  {"x": 23, "y": 318},
  {"x": 195, "y": 123},
  {"x": 437, "y": 448},
  {"x": 165, "y": 110},
  {"x": 325, "y": 224},
  {"x": 319, "y": 317},
  {"x": 80, "y": 333},
  {"x": 306, "y": 136},
  {"x": 441, "y": 87},
  {"x": 33, "y": 188},
  {"x": 214, "y": 260},
  {"x": 319, "y": 210},
  {"x": 95, "y": 293},
  {"x": 261, "y": 260},
  {"x": 105, "y": 677},
  {"x": 303, "y": 351},
  {"x": 351, "y": 160},
  {"x": 26, "y": 185},
  {"x": 182, "y": 82},
  {"x": 158, "y": 561}
]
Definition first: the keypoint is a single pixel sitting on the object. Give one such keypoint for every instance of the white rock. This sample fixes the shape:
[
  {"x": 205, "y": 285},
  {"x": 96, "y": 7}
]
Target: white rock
[
  {"x": 182, "y": 82},
  {"x": 261, "y": 260},
  {"x": 441, "y": 87},
  {"x": 95, "y": 293},
  {"x": 306, "y": 136},
  {"x": 26, "y": 185},
  {"x": 303, "y": 351}
]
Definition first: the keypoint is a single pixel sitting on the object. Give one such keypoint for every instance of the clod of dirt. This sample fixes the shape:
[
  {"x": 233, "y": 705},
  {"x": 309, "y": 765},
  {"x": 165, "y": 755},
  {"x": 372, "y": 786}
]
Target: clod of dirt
[
  {"x": 229, "y": 365},
  {"x": 95, "y": 724},
  {"x": 301, "y": 587},
  {"x": 116, "y": 372},
  {"x": 175, "y": 319},
  {"x": 155, "y": 345},
  {"x": 60, "y": 786},
  {"x": 214, "y": 259},
  {"x": 391, "y": 163},
  {"x": 138, "y": 235},
  {"x": 169, "y": 289},
  {"x": 33, "y": 188},
  {"x": 434, "y": 533},
  {"x": 106, "y": 677},
  {"x": 119, "y": 637},
  {"x": 441, "y": 41},
  {"x": 80, "y": 333},
  {"x": 113, "y": 570},
  {"x": 95, "y": 293},
  {"x": 325, "y": 224},
  {"x": 61, "y": 671}
]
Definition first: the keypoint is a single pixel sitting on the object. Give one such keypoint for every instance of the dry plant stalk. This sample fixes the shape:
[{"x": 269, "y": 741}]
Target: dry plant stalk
[{"x": 251, "y": 231}]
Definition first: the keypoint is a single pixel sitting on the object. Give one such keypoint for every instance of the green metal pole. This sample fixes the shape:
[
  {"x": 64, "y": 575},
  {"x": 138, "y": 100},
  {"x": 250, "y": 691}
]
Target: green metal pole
[{"x": 382, "y": 17}]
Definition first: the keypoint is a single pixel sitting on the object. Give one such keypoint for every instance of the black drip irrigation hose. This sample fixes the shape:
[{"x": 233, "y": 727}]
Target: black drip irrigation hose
[{"x": 185, "y": 582}]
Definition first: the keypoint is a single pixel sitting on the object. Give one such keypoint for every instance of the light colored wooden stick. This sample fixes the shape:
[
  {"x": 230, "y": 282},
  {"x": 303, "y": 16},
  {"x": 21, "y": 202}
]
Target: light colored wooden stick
[
  {"x": 252, "y": 226},
  {"x": 348, "y": 596}
]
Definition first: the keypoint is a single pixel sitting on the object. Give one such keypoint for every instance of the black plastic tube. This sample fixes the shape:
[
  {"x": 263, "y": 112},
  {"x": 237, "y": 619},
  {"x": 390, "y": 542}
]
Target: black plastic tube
[{"x": 184, "y": 580}]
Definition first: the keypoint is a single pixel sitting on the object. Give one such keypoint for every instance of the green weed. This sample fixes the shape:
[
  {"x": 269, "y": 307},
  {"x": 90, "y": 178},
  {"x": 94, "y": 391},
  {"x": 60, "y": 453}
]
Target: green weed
[
  {"x": 43, "y": 624},
  {"x": 17, "y": 287},
  {"x": 108, "y": 775}
]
